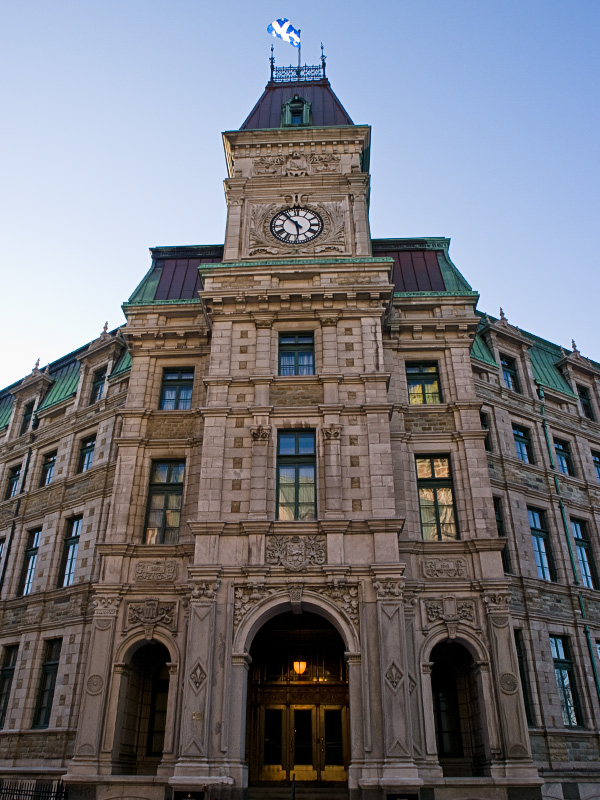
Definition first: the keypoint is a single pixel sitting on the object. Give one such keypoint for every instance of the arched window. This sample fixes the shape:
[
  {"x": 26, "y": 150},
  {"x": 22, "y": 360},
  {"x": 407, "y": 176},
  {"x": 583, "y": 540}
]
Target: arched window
[
  {"x": 144, "y": 712},
  {"x": 457, "y": 710}
]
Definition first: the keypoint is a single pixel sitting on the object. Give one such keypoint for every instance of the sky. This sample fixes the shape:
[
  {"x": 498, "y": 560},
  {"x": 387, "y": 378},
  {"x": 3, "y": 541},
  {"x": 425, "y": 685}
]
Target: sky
[{"x": 485, "y": 120}]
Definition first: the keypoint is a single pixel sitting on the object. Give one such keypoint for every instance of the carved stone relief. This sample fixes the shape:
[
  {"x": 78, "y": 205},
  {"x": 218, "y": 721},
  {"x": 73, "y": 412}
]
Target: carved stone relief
[
  {"x": 388, "y": 589},
  {"x": 106, "y": 605},
  {"x": 197, "y": 677},
  {"x": 394, "y": 676},
  {"x": 158, "y": 571},
  {"x": 508, "y": 682},
  {"x": 296, "y": 553},
  {"x": 332, "y": 432},
  {"x": 444, "y": 568},
  {"x": 246, "y": 597},
  {"x": 260, "y": 432},
  {"x": 149, "y": 613},
  {"x": 94, "y": 684},
  {"x": 345, "y": 596},
  {"x": 296, "y": 164},
  {"x": 450, "y": 609}
]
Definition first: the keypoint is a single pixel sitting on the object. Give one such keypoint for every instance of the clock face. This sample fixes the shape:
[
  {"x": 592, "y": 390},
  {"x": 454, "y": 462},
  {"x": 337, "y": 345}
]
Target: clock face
[{"x": 296, "y": 225}]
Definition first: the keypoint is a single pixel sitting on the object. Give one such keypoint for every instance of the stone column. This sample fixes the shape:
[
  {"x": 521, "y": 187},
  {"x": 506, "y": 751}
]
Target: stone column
[
  {"x": 329, "y": 361},
  {"x": 166, "y": 765},
  {"x": 263, "y": 324},
  {"x": 513, "y": 728},
  {"x": 383, "y": 502},
  {"x": 197, "y": 681},
  {"x": 97, "y": 676},
  {"x": 397, "y": 734},
  {"x": 211, "y": 470},
  {"x": 332, "y": 464},
  {"x": 261, "y": 436}
]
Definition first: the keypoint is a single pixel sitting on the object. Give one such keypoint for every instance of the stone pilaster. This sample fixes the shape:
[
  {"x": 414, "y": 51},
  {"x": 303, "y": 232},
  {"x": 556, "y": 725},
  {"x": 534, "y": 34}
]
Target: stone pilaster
[
  {"x": 196, "y": 684},
  {"x": 88, "y": 742}
]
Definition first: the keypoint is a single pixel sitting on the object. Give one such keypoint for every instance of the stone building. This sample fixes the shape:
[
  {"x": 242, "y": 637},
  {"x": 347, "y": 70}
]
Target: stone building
[{"x": 308, "y": 515}]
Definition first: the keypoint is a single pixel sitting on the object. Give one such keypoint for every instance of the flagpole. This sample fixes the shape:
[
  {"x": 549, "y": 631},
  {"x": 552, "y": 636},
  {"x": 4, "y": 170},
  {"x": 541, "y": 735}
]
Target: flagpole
[{"x": 299, "y": 52}]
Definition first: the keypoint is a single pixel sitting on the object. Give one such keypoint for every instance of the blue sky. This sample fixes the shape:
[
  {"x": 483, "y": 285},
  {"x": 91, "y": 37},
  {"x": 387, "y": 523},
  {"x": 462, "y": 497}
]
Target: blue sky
[{"x": 485, "y": 123}]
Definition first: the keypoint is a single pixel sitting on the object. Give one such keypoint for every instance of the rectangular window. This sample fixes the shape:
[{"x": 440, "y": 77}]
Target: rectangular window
[
  {"x": 97, "y": 385},
  {"x": 86, "y": 454},
  {"x": 565, "y": 681},
  {"x": 501, "y": 532},
  {"x": 485, "y": 426},
  {"x": 564, "y": 462},
  {"x": 509, "y": 373},
  {"x": 584, "y": 554},
  {"x": 541, "y": 545},
  {"x": 12, "y": 485},
  {"x": 423, "y": 383},
  {"x": 164, "y": 502},
  {"x": 523, "y": 674},
  {"x": 586, "y": 401},
  {"x": 2, "y": 546},
  {"x": 48, "y": 465},
  {"x": 436, "y": 498},
  {"x": 41, "y": 717},
  {"x": 296, "y": 471},
  {"x": 176, "y": 391},
  {"x": 31, "y": 554},
  {"x": 523, "y": 444},
  {"x": 27, "y": 415},
  {"x": 7, "y": 672},
  {"x": 296, "y": 354},
  {"x": 69, "y": 557},
  {"x": 596, "y": 460}
]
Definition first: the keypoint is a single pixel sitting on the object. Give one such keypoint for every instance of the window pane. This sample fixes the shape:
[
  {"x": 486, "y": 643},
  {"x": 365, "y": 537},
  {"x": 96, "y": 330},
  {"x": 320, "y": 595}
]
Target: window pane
[
  {"x": 168, "y": 401},
  {"x": 415, "y": 394},
  {"x": 306, "y": 444},
  {"x": 424, "y": 468},
  {"x": 441, "y": 467},
  {"x": 177, "y": 472},
  {"x": 432, "y": 391},
  {"x": 287, "y": 444},
  {"x": 174, "y": 500},
  {"x": 160, "y": 473},
  {"x": 185, "y": 399},
  {"x": 305, "y": 364}
]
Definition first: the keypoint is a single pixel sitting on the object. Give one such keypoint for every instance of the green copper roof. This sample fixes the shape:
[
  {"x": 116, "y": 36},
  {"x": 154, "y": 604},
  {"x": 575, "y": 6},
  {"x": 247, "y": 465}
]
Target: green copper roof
[
  {"x": 453, "y": 279},
  {"x": 6, "y": 404},
  {"x": 544, "y": 357},
  {"x": 481, "y": 351},
  {"x": 64, "y": 386},
  {"x": 123, "y": 365}
]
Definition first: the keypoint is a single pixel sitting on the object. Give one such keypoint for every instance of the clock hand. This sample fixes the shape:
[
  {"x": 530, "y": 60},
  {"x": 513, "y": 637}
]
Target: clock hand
[{"x": 292, "y": 220}]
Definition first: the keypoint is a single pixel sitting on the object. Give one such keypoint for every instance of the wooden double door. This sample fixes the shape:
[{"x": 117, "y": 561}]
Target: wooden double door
[{"x": 307, "y": 742}]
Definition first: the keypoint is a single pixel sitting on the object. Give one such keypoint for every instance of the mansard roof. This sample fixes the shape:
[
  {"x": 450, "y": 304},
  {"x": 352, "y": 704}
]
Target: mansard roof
[{"x": 326, "y": 109}]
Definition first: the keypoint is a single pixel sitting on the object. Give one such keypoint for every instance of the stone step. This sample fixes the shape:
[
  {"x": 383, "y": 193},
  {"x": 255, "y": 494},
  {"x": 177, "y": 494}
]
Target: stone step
[{"x": 302, "y": 792}]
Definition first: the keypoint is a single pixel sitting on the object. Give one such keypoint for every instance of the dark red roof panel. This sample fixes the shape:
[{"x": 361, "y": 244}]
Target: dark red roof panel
[
  {"x": 325, "y": 106},
  {"x": 415, "y": 270}
]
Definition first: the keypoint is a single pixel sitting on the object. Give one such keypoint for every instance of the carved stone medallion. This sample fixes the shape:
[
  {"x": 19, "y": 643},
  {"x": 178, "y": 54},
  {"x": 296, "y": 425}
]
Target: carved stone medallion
[
  {"x": 508, "y": 682},
  {"x": 444, "y": 568},
  {"x": 296, "y": 552}
]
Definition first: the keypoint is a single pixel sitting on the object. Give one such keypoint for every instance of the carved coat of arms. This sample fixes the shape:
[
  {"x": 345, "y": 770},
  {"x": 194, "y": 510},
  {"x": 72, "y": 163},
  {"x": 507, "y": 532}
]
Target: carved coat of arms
[{"x": 296, "y": 552}]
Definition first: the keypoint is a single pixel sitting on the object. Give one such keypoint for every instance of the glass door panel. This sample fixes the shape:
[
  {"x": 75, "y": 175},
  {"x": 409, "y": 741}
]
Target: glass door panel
[
  {"x": 333, "y": 744},
  {"x": 274, "y": 765},
  {"x": 303, "y": 743}
]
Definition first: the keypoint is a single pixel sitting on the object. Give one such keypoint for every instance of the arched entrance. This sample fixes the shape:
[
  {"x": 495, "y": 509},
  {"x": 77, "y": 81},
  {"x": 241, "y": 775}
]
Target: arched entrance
[
  {"x": 140, "y": 740},
  {"x": 297, "y": 717},
  {"x": 458, "y": 719}
]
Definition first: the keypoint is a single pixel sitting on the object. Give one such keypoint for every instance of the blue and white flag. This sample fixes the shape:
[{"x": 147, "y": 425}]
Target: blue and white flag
[{"x": 281, "y": 29}]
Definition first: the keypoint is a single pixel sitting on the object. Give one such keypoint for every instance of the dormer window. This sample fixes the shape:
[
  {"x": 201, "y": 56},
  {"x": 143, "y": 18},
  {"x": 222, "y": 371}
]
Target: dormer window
[{"x": 295, "y": 113}]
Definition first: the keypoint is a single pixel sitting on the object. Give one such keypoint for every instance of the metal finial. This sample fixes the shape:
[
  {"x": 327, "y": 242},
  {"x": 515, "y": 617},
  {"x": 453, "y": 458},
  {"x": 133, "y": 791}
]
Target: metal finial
[
  {"x": 323, "y": 57},
  {"x": 272, "y": 61}
]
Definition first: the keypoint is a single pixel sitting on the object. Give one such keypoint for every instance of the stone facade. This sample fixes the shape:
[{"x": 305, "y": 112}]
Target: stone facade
[{"x": 398, "y": 602}]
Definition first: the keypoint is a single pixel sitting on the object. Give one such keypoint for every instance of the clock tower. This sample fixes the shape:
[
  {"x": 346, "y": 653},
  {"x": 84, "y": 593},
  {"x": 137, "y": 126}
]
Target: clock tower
[{"x": 298, "y": 174}]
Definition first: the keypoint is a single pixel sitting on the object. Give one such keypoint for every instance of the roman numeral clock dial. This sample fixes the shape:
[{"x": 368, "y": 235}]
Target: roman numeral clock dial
[{"x": 296, "y": 225}]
